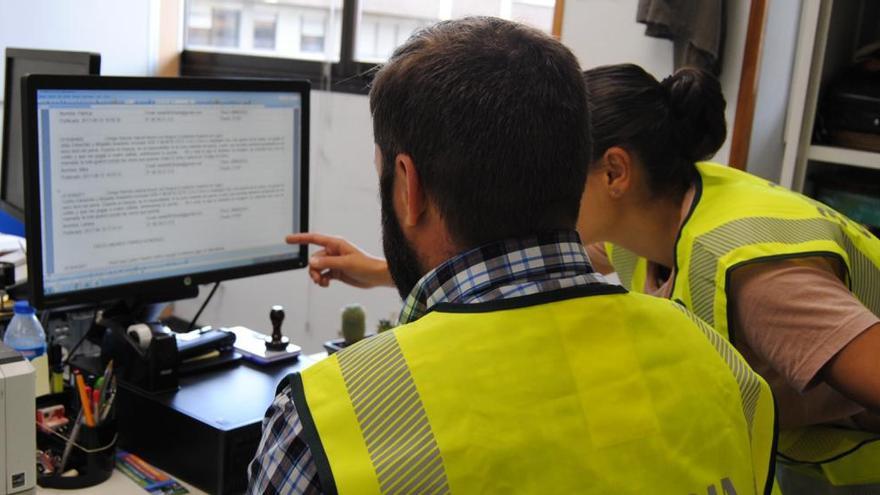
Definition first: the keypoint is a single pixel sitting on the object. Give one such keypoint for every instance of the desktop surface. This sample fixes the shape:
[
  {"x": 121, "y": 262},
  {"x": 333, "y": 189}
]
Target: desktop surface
[
  {"x": 227, "y": 399},
  {"x": 118, "y": 484}
]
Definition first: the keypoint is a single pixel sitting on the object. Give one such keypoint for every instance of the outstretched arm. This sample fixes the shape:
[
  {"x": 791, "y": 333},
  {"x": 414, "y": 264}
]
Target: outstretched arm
[{"x": 341, "y": 260}]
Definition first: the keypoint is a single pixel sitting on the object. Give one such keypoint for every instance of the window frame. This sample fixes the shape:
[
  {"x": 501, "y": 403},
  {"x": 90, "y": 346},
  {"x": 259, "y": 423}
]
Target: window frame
[{"x": 347, "y": 75}]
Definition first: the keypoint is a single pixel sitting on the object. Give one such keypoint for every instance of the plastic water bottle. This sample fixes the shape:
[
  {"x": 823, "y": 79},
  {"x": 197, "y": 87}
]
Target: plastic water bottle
[{"x": 25, "y": 334}]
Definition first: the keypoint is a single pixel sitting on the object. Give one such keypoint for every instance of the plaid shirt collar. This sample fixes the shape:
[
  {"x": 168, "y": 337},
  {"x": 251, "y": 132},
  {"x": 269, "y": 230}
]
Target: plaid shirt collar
[{"x": 500, "y": 270}]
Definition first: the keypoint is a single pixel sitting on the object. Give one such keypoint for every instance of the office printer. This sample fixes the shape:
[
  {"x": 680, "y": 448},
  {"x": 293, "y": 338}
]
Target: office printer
[{"x": 18, "y": 435}]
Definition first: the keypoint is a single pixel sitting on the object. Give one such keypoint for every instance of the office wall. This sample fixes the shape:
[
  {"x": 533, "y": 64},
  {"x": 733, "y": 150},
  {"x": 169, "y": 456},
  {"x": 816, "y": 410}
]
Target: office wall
[
  {"x": 604, "y": 32},
  {"x": 344, "y": 188},
  {"x": 777, "y": 61},
  {"x": 119, "y": 30},
  {"x": 83, "y": 25}
]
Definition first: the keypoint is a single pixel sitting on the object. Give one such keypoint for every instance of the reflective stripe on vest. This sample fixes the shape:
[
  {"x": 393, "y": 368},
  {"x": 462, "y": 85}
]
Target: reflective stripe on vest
[
  {"x": 738, "y": 219},
  {"x": 631, "y": 268},
  {"x": 613, "y": 393}
]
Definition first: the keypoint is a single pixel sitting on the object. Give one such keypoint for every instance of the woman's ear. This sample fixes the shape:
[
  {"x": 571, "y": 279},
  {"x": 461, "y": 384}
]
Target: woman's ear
[{"x": 617, "y": 171}]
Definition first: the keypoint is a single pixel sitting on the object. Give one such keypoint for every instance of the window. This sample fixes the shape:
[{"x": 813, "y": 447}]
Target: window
[
  {"x": 334, "y": 43},
  {"x": 386, "y": 24},
  {"x": 379, "y": 35},
  {"x": 538, "y": 13},
  {"x": 312, "y": 34},
  {"x": 264, "y": 31},
  {"x": 214, "y": 27},
  {"x": 295, "y": 29}
]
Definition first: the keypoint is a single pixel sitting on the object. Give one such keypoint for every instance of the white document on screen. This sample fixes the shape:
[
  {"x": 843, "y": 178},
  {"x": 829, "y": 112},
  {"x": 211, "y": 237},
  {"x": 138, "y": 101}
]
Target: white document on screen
[{"x": 135, "y": 191}]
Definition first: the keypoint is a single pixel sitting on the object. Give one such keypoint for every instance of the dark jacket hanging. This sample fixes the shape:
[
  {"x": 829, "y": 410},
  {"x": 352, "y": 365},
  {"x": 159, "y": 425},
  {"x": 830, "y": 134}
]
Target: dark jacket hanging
[{"x": 696, "y": 28}]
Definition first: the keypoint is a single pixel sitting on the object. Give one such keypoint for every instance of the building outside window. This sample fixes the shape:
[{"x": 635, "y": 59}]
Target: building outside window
[
  {"x": 298, "y": 29},
  {"x": 214, "y": 26},
  {"x": 313, "y": 32},
  {"x": 264, "y": 30}
]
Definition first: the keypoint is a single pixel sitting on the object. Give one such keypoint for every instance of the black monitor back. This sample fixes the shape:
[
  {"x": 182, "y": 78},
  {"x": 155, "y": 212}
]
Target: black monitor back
[{"x": 19, "y": 62}]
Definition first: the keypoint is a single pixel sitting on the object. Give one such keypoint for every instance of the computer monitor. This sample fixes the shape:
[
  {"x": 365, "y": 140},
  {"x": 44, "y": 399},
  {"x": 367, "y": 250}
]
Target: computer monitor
[
  {"x": 20, "y": 62},
  {"x": 142, "y": 188}
]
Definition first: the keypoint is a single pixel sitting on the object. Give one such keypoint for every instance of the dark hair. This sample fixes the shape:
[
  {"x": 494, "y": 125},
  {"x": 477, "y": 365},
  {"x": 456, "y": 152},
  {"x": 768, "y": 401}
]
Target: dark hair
[
  {"x": 670, "y": 125},
  {"x": 494, "y": 116}
]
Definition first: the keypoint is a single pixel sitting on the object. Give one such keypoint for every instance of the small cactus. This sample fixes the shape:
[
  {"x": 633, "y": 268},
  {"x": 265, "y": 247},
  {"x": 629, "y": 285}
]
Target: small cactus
[
  {"x": 384, "y": 326},
  {"x": 354, "y": 323}
]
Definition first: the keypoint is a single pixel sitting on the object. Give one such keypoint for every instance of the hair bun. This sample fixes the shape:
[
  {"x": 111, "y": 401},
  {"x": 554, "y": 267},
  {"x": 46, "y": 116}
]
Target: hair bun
[{"x": 697, "y": 106}]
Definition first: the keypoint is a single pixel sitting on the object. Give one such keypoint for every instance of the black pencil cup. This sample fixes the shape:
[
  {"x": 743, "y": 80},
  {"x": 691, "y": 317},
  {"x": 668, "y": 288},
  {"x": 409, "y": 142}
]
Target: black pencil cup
[{"x": 92, "y": 454}]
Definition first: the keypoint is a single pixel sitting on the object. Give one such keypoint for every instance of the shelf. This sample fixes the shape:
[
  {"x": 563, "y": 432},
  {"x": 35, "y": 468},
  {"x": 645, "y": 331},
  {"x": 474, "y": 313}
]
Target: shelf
[{"x": 844, "y": 156}]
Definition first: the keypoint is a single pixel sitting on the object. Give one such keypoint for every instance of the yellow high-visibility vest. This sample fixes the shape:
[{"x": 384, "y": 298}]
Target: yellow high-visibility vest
[
  {"x": 589, "y": 390},
  {"x": 738, "y": 219}
]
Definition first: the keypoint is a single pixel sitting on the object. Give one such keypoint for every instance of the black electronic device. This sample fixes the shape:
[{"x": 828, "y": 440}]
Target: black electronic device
[
  {"x": 152, "y": 358},
  {"x": 20, "y": 62},
  {"x": 149, "y": 363},
  {"x": 194, "y": 343},
  {"x": 849, "y": 114},
  {"x": 139, "y": 189}
]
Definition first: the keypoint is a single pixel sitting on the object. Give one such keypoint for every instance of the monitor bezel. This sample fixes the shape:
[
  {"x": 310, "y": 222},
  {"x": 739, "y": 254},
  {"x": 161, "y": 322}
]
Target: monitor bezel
[
  {"x": 151, "y": 289},
  {"x": 87, "y": 59}
]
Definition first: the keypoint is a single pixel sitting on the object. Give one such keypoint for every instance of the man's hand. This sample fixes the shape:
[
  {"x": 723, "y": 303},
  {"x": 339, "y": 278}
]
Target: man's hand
[{"x": 343, "y": 261}]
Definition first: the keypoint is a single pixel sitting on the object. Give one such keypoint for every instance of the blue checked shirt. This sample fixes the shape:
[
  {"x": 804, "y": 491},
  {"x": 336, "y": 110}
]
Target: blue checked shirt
[{"x": 501, "y": 270}]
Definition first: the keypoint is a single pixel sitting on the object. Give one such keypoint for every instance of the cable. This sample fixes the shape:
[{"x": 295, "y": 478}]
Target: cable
[
  {"x": 80, "y": 341},
  {"x": 192, "y": 324},
  {"x": 44, "y": 321}
]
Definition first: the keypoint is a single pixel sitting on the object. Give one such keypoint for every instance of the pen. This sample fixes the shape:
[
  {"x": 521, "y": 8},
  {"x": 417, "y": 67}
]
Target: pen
[
  {"x": 108, "y": 404},
  {"x": 84, "y": 400},
  {"x": 70, "y": 440},
  {"x": 104, "y": 382},
  {"x": 96, "y": 397}
]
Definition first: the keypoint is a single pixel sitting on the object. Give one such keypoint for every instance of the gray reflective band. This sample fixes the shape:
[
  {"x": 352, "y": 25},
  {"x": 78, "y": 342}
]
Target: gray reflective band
[
  {"x": 624, "y": 262},
  {"x": 392, "y": 418},
  {"x": 746, "y": 379},
  {"x": 823, "y": 444},
  {"x": 710, "y": 247}
]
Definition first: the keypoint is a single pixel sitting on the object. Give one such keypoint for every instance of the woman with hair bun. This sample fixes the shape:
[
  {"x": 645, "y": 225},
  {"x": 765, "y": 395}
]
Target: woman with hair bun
[{"x": 791, "y": 282}]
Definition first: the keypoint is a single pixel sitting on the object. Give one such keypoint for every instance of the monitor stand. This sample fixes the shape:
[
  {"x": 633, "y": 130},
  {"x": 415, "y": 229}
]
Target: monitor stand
[{"x": 146, "y": 308}]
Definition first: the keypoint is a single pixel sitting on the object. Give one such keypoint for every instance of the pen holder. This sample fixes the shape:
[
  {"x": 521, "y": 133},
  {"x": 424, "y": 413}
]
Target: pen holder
[{"x": 92, "y": 454}]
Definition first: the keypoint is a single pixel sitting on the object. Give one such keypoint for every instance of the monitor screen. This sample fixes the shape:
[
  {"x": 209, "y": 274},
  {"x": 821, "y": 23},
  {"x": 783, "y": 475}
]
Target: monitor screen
[
  {"x": 162, "y": 181},
  {"x": 20, "y": 62}
]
